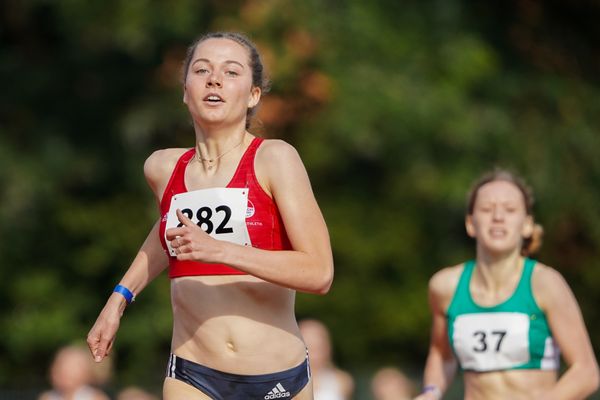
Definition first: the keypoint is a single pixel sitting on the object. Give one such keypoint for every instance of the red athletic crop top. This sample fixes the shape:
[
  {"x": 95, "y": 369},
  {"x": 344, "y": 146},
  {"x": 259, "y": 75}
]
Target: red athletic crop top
[{"x": 263, "y": 220}]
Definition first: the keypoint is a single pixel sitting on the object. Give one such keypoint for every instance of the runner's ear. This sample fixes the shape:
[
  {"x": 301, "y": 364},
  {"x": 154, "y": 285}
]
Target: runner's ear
[{"x": 470, "y": 226}]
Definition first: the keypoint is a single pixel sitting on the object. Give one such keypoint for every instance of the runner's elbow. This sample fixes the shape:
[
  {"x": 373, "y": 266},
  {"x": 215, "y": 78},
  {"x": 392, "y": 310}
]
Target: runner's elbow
[
  {"x": 323, "y": 284},
  {"x": 590, "y": 378}
]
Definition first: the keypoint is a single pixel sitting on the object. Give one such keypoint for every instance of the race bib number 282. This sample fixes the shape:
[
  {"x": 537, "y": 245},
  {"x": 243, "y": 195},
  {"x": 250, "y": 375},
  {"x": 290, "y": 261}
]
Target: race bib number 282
[{"x": 220, "y": 212}]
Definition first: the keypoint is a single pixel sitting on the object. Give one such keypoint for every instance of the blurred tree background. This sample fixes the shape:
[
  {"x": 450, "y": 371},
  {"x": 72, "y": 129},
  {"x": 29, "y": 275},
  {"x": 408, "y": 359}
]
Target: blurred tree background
[{"x": 395, "y": 106}]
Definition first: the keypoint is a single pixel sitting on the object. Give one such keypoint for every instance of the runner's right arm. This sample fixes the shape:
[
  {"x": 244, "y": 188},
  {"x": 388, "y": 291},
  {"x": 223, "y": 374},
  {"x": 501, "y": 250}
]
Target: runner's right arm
[
  {"x": 150, "y": 261},
  {"x": 441, "y": 364}
]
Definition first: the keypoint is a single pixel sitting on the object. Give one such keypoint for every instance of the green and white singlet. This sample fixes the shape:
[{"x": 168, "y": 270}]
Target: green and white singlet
[{"x": 511, "y": 335}]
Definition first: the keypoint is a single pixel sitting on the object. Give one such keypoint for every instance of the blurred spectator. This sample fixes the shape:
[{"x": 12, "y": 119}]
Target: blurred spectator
[
  {"x": 72, "y": 376},
  {"x": 135, "y": 393},
  {"x": 102, "y": 372},
  {"x": 329, "y": 382},
  {"x": 390, "y": 383}
]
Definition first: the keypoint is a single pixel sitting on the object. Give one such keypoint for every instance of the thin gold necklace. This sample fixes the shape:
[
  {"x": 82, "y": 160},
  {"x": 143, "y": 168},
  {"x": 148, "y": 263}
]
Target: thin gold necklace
[{"x": 210, "y": 161}]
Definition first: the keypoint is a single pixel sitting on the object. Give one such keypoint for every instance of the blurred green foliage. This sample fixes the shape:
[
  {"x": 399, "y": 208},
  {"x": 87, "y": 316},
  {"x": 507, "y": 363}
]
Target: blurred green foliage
[{"x": 395, "y": 107}]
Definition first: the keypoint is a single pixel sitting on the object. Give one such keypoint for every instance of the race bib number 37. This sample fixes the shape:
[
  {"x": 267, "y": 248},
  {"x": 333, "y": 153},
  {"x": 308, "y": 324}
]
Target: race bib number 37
[
  {"x": 491, "y": 341},
  {"x": 220, "y": 212}
]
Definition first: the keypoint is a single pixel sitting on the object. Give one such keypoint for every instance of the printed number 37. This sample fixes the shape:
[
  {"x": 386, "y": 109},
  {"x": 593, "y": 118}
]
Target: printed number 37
[{"x": 482, "y": 340}]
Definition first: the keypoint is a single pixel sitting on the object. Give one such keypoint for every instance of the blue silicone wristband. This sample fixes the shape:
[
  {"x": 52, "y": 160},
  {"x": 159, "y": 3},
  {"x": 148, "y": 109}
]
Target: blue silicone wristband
[
  {"x": 128, "y": 294},
  {"x": 433, "y": 389}
]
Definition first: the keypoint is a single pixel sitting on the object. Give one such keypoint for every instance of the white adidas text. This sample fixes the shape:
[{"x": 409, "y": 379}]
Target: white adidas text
[
  {"x": 278, "y": 392},
  {"x": 277, "y": 395}
]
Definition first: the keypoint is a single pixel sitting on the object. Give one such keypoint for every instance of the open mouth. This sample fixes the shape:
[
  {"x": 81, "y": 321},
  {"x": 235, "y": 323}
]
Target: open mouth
[
  {"x": 497, "y": 232},
  {"x": 213, "y": 98}
]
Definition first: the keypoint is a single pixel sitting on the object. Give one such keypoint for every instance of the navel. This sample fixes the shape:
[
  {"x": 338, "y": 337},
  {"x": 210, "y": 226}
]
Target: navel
[{"x": 230, "y": 346}]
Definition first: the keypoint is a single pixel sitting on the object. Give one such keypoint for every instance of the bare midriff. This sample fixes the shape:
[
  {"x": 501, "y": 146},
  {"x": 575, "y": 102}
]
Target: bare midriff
[
  {"x": 238, "y": 324},
  {"x": 513, "y": 384}
]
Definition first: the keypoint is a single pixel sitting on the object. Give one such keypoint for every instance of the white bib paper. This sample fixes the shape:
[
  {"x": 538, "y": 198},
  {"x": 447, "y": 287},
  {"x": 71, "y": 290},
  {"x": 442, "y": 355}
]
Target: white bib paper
[
  {"x": 220, "y": 212},
  {"x": 491, "y": 341}
]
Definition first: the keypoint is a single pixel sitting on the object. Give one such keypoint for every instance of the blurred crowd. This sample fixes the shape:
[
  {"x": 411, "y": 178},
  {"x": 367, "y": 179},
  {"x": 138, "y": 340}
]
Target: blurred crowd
[
  {"x": 333, "y": 383},
  {"x": 73, "y": 375}
]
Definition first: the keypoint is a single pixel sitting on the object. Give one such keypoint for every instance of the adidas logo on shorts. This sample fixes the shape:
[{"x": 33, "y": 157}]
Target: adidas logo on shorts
[{"x": 278, "y": 392}]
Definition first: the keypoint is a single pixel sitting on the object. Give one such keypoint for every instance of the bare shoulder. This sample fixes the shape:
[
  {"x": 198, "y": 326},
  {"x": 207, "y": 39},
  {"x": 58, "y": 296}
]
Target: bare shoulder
[
  {"x": 278, "y": 166},
  {"x": 549, "y": 286},
  {"x": 443, "y": 284},
  {"x": 160, "y": 164},
  {"x": 276, "y": 151},
  {"x": 547, "y": 277},
  {"x": 164, "y": 159},
  {"x": 446, "y": 279}
]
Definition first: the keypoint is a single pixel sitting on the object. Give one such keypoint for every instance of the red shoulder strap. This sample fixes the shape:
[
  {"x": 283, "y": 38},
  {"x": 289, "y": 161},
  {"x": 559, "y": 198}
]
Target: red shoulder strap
[{"x": 245, "y": 168}]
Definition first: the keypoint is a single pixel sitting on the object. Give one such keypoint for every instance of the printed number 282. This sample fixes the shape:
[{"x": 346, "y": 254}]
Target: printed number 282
[{"x": 205, "y": 215}]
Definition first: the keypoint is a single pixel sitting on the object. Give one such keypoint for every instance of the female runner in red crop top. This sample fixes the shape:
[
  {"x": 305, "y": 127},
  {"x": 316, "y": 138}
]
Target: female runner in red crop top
[{"x": 234, "y": 331}]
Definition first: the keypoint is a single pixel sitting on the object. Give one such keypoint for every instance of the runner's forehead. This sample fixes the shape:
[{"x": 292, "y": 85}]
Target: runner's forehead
[
  {"x": 499, "y": 191},
  {"x": 221, "y": 50}
]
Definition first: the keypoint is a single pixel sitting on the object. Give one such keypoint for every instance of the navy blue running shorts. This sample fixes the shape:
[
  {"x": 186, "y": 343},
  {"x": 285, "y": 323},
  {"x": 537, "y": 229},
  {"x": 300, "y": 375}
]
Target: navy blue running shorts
[{"x": 225, "y": 386}]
